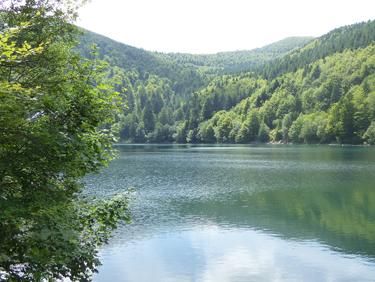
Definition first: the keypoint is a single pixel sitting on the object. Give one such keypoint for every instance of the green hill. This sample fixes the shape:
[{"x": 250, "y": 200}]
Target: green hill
[
  {"x": 296, "y": 90},
  {"x": 229, "y": 62},
  {"x": 138, "y": 64},
  {"x": 167, "y": 80},
  {"x": 338, "y": 40}
]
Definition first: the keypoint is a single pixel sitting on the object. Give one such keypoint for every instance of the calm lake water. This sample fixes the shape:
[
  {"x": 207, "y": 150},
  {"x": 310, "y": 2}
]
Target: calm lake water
[{"x": 241, "y": 213}]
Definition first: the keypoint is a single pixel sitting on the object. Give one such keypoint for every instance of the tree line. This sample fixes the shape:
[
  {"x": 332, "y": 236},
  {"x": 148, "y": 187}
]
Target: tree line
[{"x": 319, "y": 93}]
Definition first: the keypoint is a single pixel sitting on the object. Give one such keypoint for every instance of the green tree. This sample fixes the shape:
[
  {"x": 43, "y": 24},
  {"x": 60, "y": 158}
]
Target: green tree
[
  {"x": 264, "y": 133},
  {"x": 209, "y": 134},
  {"x": 346, "y": 123},
  {"x": 179, "y": 114},
  {"x": 362, "y": 118},
  {"x": 163, "y": 116},
  {"x": 207, "y": 109},
  {"x": 194, "y": 112},
  {"x": 140, "y": 133},
  {"x": 140, "y": 98},
  {"x": 223, "y": 129},
  {"x": 309, "y": 130},
  {"x": 54, "y": 130},
  {"x": 279, "y": 132},
  {"x": 371, "y": 104},
  {"x": 157, "y": 135},
  {"x": 253, "y": 124},
  {"x": 336, "y": 93},
  {"x": 156, "y": 100},
  {"x": 128, "y": 126},
  {"x": 331, "y": 129},
  {"x": 232, "y": 136},
  {"x": 191, "y": 136},
  {"x": 148, "y": 117},
  {"x": 180, "y": 135},
  {"x": 287, "y": 122},
  {"x": 243, "y": 135},
  {"x": 369, "y": 135},
  {"x": 296, "y": 128},
  {"x": 315, "y": 73}
]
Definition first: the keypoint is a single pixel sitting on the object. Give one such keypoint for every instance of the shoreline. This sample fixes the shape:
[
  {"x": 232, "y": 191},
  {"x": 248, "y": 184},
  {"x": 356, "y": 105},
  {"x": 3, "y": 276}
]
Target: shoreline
[{"x": 253, "y": 143}]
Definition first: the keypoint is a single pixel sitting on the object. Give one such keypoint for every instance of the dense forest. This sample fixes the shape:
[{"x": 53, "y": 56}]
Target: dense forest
[{"x": 300, "y": 90}]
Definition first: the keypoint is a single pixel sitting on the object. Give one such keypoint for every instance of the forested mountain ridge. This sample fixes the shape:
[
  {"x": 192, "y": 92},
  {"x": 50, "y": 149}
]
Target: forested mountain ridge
[
  {"x": 163, "y": 64},
  {"x": 138, "y": 64},
  {"x": 167, "y": 79},
  {"x": 347, "y": 37},
  {"x": 229, "y": 62},
  {"x": 187, "y": 73},
  {"x": 322, "y": 92},
  {"x": 333, "y": 101}
]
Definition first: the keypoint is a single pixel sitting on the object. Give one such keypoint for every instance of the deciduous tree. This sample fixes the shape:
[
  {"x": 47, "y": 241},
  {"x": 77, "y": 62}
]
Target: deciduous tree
[{"x": 53, "y": 131}]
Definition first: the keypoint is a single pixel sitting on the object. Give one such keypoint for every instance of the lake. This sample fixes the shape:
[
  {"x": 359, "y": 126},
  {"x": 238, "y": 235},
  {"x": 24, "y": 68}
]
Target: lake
[{"x": 241, "y": 213}]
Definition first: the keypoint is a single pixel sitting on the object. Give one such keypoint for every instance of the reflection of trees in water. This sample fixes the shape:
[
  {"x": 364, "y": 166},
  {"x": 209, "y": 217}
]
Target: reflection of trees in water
[
  {"x": 343, "y": 217},
  {"x": 317, "y": 193}
]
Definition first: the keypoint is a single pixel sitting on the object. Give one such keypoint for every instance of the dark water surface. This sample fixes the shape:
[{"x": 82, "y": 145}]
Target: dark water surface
[{"x": 242, "y": 213}]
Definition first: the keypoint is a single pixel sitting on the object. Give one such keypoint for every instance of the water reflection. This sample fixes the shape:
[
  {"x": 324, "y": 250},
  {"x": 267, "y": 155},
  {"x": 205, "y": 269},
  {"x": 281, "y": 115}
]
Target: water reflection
[
  {"x": 218, "y": 255},
  {"x": 271, "y": 213}
]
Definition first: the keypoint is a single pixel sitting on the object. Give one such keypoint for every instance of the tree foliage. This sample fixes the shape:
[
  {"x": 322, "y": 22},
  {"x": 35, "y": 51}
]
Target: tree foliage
[
  {"x": 304, "y": 90},
  {"x": 54, "y": 130}
]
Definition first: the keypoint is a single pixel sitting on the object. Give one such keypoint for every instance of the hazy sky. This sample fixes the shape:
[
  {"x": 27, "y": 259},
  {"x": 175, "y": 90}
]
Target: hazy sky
[{"x": 211, "y": 26}]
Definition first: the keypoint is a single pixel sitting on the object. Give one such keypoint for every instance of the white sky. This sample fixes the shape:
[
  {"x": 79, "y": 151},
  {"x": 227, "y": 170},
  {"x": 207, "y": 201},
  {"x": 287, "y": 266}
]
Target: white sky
[{"x": 211, "y": 26}]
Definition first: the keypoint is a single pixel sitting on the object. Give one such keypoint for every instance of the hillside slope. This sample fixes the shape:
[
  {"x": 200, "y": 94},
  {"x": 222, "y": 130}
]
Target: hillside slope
[
  {"x": 229, "y": 62},
  {"x": 338, "y": 40},
  {"x": 161, "y": 64},
  {"x": 322, "y": 92},
  {"x": 168, "y": 80}
]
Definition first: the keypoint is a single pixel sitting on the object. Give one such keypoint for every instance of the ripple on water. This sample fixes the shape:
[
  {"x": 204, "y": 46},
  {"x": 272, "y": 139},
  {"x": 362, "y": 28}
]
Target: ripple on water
[{"x": 243, "y": 202}]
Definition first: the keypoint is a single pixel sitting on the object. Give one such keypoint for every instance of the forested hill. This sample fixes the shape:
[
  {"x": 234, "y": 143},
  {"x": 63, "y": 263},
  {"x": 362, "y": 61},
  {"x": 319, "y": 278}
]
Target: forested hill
[
  {"x": 167, "y": 65},
  {"x": 169, "y": 79},
  {"x": 350, "y": 37},
  {"x": 323, "y": 92},
  {"x": 229, "y": 62},
  {"x": 137, "y": 64}
]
